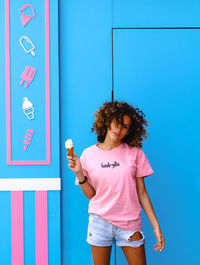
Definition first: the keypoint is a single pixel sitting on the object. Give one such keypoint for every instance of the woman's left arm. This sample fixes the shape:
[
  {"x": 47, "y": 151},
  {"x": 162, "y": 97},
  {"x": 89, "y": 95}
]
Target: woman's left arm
[{"x": 148, "y": 208}]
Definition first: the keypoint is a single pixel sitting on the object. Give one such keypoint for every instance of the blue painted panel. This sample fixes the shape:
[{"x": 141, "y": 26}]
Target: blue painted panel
[
  {"x": 29, "y": 228},
  {"x": 85, "y": 76},
  {"x": 36, "y": 27},
  {"x": 54, "y": 228},
  {"x": 176, "y": 13},
  {"x": 158, "y": 71},
  {"x": 18, "y": 62},
  {"x": 5, "y": 227}
]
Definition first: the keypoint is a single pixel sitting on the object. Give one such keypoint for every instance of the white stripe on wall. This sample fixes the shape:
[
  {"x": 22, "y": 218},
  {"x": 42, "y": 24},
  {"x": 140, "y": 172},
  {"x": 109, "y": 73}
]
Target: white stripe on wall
[{"x": 33, "y": 184}]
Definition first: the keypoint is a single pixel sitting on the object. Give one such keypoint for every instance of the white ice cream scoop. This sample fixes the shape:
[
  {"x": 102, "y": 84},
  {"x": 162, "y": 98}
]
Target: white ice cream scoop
[{"x": 69, "y": 144}]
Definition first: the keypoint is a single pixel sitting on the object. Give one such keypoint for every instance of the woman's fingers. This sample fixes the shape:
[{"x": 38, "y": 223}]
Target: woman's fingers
[
  {"x": 71, "y": 161},
  {"x": 160, "y": 245},
  {"x": 75, "y": 155},
  {"x": 160, "y": 241},
  {"x": 70, "y": 158},
  {"x": 74, "y": 163},
  {"x": 157, "y": 248}
]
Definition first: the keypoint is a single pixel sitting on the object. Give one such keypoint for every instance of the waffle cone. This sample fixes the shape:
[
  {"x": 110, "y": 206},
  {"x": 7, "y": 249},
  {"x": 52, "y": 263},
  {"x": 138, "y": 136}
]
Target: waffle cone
[{"x": 70, "y": 151}]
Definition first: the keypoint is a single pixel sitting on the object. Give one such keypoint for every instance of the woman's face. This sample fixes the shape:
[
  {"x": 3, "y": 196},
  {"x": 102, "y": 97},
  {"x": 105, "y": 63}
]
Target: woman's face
[{"x": 117, "y": 132}]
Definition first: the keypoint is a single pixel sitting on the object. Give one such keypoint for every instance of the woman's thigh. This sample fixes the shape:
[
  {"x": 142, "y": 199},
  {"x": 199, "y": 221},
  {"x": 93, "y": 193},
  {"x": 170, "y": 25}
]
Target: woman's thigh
[
  {"x": 101, "y": 255},
  {"x": 135, "y": 256}
]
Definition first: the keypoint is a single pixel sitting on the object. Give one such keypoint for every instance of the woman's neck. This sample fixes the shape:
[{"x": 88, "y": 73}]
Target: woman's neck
[{"x": 108, "y": 144}]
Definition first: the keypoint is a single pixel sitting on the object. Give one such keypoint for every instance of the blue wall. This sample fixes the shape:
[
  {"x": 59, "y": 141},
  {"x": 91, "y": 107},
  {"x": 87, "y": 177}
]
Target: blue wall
[
  {"x": 85, "y": 75},
  {"x": 86, "y": 82},
  {"x": 157, "y": 69}
]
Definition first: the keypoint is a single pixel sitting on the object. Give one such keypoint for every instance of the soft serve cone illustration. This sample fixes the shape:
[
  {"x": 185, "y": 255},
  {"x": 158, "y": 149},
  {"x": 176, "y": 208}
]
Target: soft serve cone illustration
[
  {"x": 70, "y": 147},
  {"x": 28, "y": 109}
]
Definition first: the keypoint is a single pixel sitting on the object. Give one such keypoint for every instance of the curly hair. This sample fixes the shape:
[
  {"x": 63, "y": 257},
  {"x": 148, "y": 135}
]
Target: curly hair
[{"x": 110, "y": 111}]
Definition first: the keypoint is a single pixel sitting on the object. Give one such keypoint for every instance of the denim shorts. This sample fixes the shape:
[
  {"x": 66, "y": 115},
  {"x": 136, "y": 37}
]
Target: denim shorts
[{"x": 103, "y": 233}]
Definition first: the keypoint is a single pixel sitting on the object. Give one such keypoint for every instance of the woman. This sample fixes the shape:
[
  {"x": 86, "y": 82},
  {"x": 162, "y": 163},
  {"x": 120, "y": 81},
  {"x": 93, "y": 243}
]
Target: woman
[{"x": 111, "y": 174}]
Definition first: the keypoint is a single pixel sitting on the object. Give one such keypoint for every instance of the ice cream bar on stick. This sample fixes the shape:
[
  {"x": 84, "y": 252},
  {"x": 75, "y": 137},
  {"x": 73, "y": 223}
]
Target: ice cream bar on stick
[{"x": 70, "y": 148}]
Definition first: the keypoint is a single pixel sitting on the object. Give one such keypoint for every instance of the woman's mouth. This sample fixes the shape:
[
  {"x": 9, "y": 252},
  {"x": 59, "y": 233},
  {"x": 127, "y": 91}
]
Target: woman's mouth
[{"x": 116, "y": 134}]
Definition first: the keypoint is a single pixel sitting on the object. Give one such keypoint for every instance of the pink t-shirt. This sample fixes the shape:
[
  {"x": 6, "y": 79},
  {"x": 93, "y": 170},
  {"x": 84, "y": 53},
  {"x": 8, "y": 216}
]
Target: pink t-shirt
[{"x": 113, "y": 173}]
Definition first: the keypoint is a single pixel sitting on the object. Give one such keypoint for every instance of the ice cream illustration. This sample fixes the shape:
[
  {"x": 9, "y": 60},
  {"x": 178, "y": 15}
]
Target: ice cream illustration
[
  {"x": 27, "y": 45},
  {"x": 70, "y": 147},
  {"x": 28, "y": 109},
  {"x": 28, "y": 76},
  {"x": 27, "y": 12},
  {"x": 28, "y": 138}
]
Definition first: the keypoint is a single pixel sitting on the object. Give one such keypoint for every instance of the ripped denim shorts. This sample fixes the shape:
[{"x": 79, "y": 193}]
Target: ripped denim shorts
[{"x": 102, "y": 233}]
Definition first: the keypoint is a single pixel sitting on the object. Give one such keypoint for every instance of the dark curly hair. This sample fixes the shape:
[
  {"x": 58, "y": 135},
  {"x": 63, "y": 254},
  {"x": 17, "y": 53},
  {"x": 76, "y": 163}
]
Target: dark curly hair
[{"x": 116, "y": 110}]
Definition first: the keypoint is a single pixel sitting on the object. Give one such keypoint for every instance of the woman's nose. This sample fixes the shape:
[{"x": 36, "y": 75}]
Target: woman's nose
[{"x": 119, "y": 127}]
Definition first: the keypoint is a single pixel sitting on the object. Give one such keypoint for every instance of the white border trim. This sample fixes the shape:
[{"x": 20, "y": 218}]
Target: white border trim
[{"x": 33, "y": 184}]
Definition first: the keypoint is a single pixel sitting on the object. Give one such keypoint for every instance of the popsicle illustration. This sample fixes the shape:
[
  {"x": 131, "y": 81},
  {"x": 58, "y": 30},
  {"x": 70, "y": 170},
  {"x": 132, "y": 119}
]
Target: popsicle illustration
[
  {"x": 28, "y": 76},
  {"x": 28, "y": 138},
  {"x": 28, "y": 108},
  {"x": 30, "y": 13},
  {"x": 27, "y": 45}
]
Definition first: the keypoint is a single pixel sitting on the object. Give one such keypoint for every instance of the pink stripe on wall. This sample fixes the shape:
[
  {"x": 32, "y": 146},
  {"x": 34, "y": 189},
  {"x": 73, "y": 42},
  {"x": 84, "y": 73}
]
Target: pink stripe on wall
[
  {"x": 47, "y": 62},
  {"x": 41, "y": 227},
  {"x": 17, "y": 222},
  {"x": 7, "y": 30}
]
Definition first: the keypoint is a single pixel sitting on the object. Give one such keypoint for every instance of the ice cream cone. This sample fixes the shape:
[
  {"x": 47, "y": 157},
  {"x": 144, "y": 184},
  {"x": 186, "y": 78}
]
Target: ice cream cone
[
  {"x": 70, "y": 151},
  {"x": 25, "y": 19},
  {"x": 70, "y": 147}
]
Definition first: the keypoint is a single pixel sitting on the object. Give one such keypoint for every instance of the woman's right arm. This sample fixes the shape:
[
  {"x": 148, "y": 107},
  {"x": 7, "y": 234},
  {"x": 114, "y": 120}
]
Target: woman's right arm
[{"x": 75, "y": 166}]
